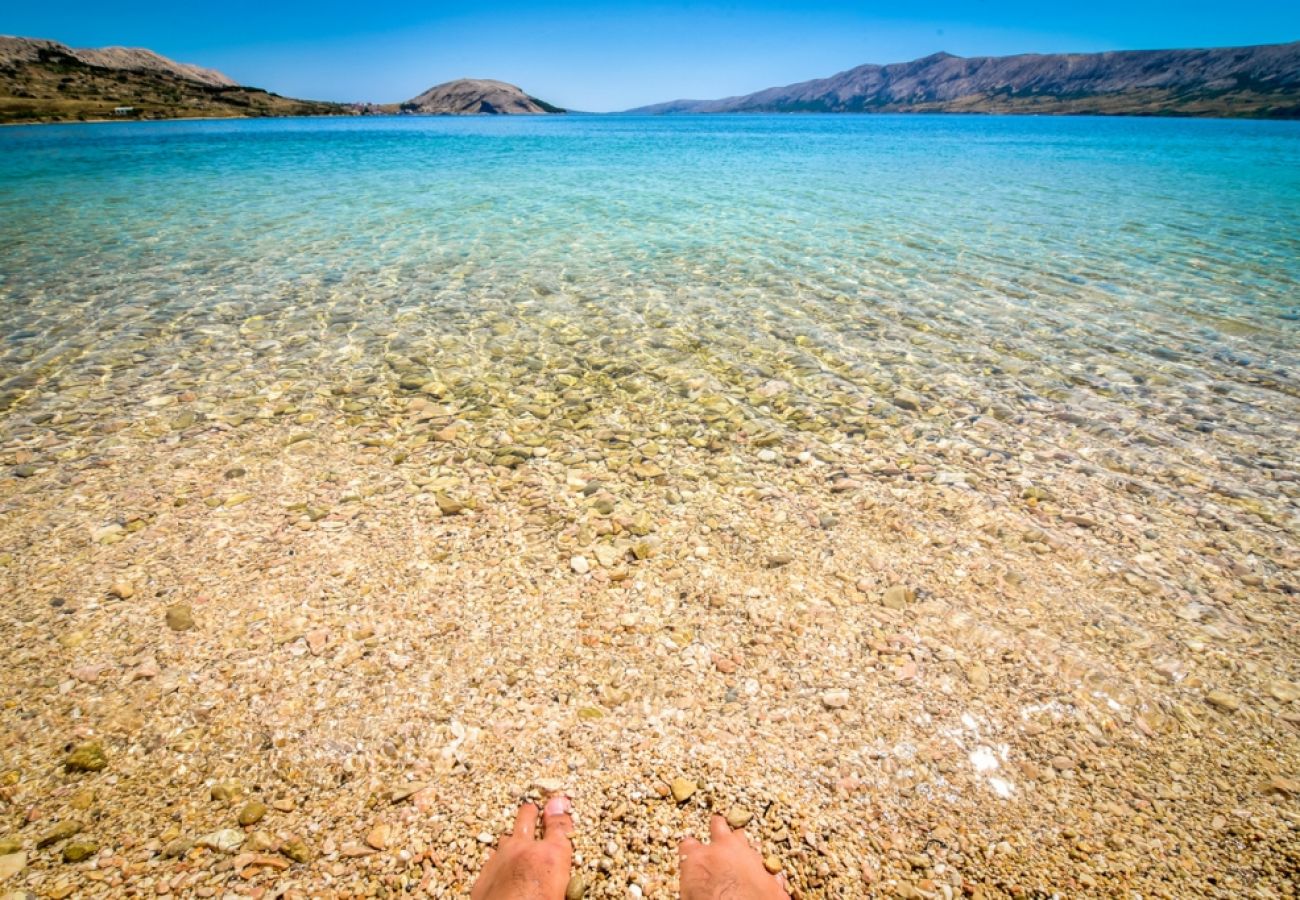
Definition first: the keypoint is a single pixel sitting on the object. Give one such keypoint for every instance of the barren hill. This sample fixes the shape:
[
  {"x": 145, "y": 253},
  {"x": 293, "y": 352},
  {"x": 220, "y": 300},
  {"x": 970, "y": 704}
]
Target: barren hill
[
  {"x": 42, "y": 80},
  {"x": 1257, "y": 82},
  {"x": 476, "y": 96}
]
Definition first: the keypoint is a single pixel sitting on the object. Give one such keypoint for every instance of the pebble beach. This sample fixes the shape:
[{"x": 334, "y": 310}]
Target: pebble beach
[{"x": 953, "y": 593}]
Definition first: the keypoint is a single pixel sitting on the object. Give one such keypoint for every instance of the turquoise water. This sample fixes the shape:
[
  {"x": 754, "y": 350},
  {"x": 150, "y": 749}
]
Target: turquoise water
[{"x": 1134, "y": 277}]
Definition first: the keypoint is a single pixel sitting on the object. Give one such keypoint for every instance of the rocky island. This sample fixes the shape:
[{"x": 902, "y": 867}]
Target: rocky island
[{"x": 476, "y": 96}]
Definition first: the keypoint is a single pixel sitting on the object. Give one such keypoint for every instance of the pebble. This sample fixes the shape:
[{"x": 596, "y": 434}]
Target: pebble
[
  {"x": 76, "y": 851},
  {"x": 682, "y": 789},
  {"x": 837, "y": 698},
  {"x": 10, "y": 844},
  {"x": 1284, "y": 691},
  {"x": 122, "y": 590},
  {"x": 317, "y": 640},
  {"x": 1223, "y": 701},
  {"x": 296, "y": 849},
  {"x": 738, "y": 817},
  {"x": 87, "y": 757},
  {"x": 548, "y": 786},
  {"x": 447, "y": 506},
  {"x": 11, "y": 864},
  {"x": 1280, "y": 785},
  {"x": 225, "y": 791},
  {"x": 772, "y": 863},
  {"x": 176, "y": 848},
  {"x": 225, "y": 840},
  {"x": 777, "y": 560},
  {"x": 909, "y": 400},
  {"x": 898, "y": 596},
  {"x": 1062, "y": 763},
  {"x": 580, "y": 565},
  {"x": 252, "y": 813},
  {"x": 576, "y": 889},
  {"x": 180, "y": 617},
  {"x": 379, "y": 836},
  {"x": 61, "y": 831}
]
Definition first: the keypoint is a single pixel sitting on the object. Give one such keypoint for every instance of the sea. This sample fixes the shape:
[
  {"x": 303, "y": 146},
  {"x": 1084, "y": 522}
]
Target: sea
[{"x": 1141, "y": 273}]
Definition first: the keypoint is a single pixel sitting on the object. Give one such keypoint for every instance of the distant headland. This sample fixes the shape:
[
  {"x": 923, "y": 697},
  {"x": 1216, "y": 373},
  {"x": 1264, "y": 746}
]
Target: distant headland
[{"x": 1234, "y": 82}]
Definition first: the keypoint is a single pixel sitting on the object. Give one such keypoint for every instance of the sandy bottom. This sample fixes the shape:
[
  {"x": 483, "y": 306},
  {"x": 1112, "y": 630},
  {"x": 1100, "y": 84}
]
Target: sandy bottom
[{"x": 1025, "y": 681}]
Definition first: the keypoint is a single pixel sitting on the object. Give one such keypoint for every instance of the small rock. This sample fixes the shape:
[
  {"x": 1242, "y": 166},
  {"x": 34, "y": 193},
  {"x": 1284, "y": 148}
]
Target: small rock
[
  {"x": 486, "y": 837},
  {"x": 227, "y": 840},
  {"x": 580, "y": 565},
  {"x": 898, "y": 596},
  {"x": 1279, "y": 785},
  {"x": 576, "y": 888},
  {"x": 247, "y": 864},
  {"x": 1062, "y": 763},
  {"x": 225, "y": 791},
  {"x": 379, "y": 836},
  {"x": 77, "y": 851},
  {"x": 317, "y": 640},
  {"x": 772, "y": 863},
  {"x": 122, "y": 590},
  {"x": 252, "y": 813},
  {"x": 978, "y": 676},
  {"x": 177, "y": 848},
  {"x": 405, "y": 791},
  {"x": 296, "y": 850},
  {"x": 1284, "y": 691},
  {"x": 548, "y": 786},
  {"x": 682, "y": 789},
  {"x": 87, "y": 757},
  {"x": 447, "y": 506},
  {"x": 837, "y": 698},
  {"x": 908, "y": 400},
  {"x": 10, "y": 844},
  {"x": 738, "y": 817},
  {"x": 81, "y": 801},
  {"x": 11, "y": 864},
  {"x": 259, "y": 842},
  {"x": 180, "y": 617},
  {"x": 777, "y": 560},
  {"x": 1223, "y": 701},
  {"x": 60, "y": 832}
]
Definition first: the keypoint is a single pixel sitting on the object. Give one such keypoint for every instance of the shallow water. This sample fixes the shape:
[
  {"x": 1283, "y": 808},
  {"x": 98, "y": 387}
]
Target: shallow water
[
  {"x": 944, "y": 468},
  {"x": 707, "y": 277}
]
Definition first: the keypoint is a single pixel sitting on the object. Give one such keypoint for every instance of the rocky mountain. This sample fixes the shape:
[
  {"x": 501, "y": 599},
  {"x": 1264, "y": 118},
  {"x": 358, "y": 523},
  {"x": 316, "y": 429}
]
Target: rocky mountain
[
  {"x": 476, "y": 96},
  {"x": 43, "y": 81},
  {"x": 1256, "y": 82}
]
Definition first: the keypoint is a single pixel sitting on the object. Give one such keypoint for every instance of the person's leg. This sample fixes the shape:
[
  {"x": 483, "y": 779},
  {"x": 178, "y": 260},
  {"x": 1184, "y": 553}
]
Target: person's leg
[
  {"x": 726, "y": 868},
  {"x": 525, "y": 868}
]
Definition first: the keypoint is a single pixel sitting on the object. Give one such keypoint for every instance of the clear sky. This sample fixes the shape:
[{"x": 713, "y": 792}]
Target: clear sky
[{"x": 601, "y": 56}]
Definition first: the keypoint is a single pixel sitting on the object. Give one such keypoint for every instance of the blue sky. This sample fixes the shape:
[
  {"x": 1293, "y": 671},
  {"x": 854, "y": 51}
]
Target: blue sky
[{"x": 601, "y": 56}]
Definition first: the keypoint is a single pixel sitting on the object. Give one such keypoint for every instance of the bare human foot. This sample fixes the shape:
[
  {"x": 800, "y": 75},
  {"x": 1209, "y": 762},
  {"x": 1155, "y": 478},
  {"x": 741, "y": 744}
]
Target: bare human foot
[
  {"x": 726, "y": 868},
  {"x": 525, "y": 868}
]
